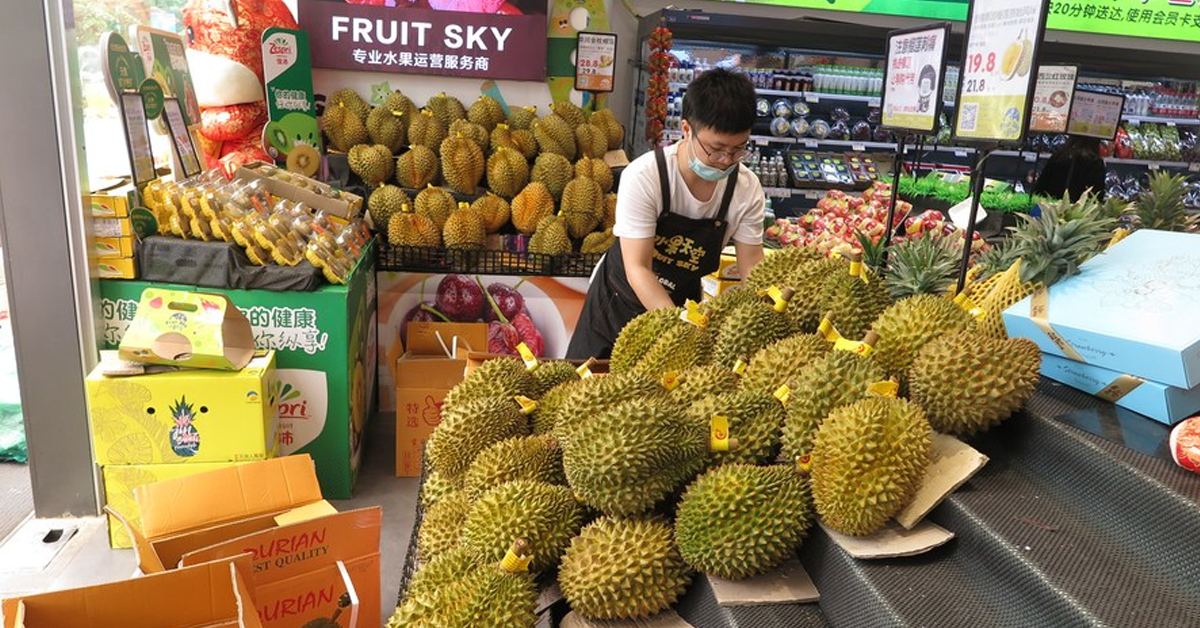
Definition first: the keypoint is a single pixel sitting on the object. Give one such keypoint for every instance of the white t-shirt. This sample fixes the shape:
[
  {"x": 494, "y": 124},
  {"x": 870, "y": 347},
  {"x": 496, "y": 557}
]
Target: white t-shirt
[{"x": 639, "y": 200}]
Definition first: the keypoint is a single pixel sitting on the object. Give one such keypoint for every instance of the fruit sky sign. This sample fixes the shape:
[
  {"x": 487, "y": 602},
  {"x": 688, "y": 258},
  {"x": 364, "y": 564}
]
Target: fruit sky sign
[
  {"x": 1096, "y": 114},
  {"x": 595, "y": 61},
  {"x": 1052, "y": 98},
  {"x": 422, "y": 41},
  {"x": 287, "y": 69},
  {"x": 1158, "y": 19},
  {"x": 913, "y": 76},
  {"x": 995, "y": 88}
]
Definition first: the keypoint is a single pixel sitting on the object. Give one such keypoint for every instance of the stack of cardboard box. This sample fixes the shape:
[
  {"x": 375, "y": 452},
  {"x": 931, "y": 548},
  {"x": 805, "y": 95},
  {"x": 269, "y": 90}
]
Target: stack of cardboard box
[
  {"x": 218, "y": 411},
  {"x": 726, "y": 277},
  {"x": 1127, "y": 327},
  {"x": 114, "y": 247}
]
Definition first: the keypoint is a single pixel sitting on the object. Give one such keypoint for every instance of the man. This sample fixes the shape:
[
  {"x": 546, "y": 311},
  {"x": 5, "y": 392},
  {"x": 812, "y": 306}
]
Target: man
[{"x": 677, "y": 207}]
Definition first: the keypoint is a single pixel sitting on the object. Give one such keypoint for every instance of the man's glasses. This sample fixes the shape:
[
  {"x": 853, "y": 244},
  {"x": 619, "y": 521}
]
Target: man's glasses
[{"x": 732, "y": 155}]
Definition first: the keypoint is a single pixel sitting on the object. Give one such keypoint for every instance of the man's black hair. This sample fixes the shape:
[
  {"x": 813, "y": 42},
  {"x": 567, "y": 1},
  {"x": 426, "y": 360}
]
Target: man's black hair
[{"x": 720, "y": 100}]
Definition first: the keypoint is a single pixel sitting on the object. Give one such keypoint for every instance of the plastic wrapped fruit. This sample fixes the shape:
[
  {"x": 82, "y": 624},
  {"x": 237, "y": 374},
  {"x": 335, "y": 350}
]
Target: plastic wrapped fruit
[
  {"x": 839, "y": 114},
  {"x": 839, "y": 131},
  {"x": 882, "y": 135},
  {"x": 861, "y": 132},
  {"x": 800, "y": 108},
  {"x": 875, "y": 115},
  {"x": 763, "y": 107},
  {"x": 819, "y": 129},
  {"x": 1106, "y": 149},
  {"x": 782, "y": 108},
  {"x": 799, "y": 127},
  {"x": 780, "y": 127}
]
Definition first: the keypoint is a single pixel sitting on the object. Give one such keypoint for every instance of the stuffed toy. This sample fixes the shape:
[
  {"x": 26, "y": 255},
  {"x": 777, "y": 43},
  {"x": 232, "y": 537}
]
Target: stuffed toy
[{"x": 225, "y": 57}]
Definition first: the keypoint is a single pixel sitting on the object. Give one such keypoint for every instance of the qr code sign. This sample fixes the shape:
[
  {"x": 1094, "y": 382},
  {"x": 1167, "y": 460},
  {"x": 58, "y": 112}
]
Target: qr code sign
[{"x": 970, "y": 117}]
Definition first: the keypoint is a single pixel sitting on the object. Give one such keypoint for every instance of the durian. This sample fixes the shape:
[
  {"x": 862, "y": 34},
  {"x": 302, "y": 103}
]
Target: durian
[
  {"x": 500, "y": 377},
  {"x": 681, "y": 347},
  {"x": 436, "y": 204},
  {"x": 867, "y": 463},
  {"x": 596, "y": 170},
  {"x": 591, "y": 141},
  {"x": 426, "y": 130},
  {"x": 547, "y": 515},
  {"x": 522, "y": 118},
  {"x": 507, "y": 172},
  {"x": 613, "y": 131},
  {"x": 349, "y": 99},
  {"x": 486, "y": 112},
  {"x": 383, "y": 203},
  {"x": 550, "y": 237},
  {"x": 808, "y": 306},
  {"x": 554, "y": 135},
  {"x": 610, "y": 210},
  {"x": 533, "y": 204},
  {"x": 428, "y": 587},
  {"x": 598, "y": 242},
  {"x": 442, "y": 526},
  {"x": 739, "y": 521},
  {"x": 417, "y": 168},
  {"x": 598, "y": 394},
  {"x": 772, "y": 366},
  {"x": 470, "y": 427},
  {"x": 623, "y": 569},
  {"x": 397, "y": 101},
  {"x": 464, "y": 229},
  {"x": 523, "y": 458},
  {"x": 406, "y": 228},
  {"x": 453, "y": 592},
  {"x": 520, "y": 140},
  {"x": 372, "y": 163},
  {"x": 582, "y": 207},
  {"x": 387, "y": 128},
  {"x": 968, "y": 383},
  {"x": 856, "y": 298},
  {"x": 718, "y": 308},
  {"x": 755, "y": 418},
  {"x": 837, "y": 379},
  {"x": 343, "y": 128},
  {"x": 780, "y": 266},
  {"x": 699, "y": 382},
  {"x": 496, "y": 212},
  {"x": 571, "y": 113},
  {"x": 447, "y": 109},
  {"x": 552, "y": 373},
  {"x": 554, "y": 171},
  {"x": 471, "y": 131},
  {"x": 630, "y": 457},
  {"x": 437, "y": 486},
  {"x": 462, "y": 164},
  {"x": 547, "y": 409},
  {"x": 639, "y": 335},
  {"x": 749, "y": 327},
  {"x": 912, "y": 323}
]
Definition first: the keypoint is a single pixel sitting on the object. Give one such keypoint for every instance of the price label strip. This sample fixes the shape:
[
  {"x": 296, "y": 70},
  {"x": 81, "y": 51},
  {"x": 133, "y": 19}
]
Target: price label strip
[{"x": 1039, "y": 313}]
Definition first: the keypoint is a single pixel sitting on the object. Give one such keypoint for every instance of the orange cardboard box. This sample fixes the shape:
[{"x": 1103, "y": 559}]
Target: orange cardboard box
[
  {"x": 424, "y": 374},
  {"x": 208, "y": 595}
]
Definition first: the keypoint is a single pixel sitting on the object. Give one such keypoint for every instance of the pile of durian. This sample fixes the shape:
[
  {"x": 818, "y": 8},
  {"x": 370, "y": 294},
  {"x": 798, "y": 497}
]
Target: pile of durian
[
  {"x": 723, "y": 431},
  {"x": 542, "y": 176}
]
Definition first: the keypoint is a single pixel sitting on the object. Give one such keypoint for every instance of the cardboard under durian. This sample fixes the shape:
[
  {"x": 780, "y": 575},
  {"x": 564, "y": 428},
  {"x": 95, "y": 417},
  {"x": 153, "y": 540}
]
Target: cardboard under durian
[
  {"x": 209, "y": 595},
  {"x": 186, "y": 417}
]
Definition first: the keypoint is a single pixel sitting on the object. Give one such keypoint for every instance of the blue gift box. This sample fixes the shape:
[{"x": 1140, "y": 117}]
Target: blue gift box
[
  {"x": 1133, "y": 309},
  {"x": 1165, "y": 404}
]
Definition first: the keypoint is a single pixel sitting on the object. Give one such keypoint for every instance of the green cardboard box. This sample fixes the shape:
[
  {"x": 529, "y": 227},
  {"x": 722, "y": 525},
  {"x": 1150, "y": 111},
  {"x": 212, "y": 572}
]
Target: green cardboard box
[{"x": 326, "y": 354}]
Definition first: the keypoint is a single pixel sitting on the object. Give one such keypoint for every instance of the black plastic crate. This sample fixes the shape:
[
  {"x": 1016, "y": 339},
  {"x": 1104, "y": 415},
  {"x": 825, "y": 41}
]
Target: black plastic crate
[{"x": 485, "y": 262}]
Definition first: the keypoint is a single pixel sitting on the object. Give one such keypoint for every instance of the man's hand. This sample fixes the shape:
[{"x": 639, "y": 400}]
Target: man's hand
[{"x": 638, "y": 254}]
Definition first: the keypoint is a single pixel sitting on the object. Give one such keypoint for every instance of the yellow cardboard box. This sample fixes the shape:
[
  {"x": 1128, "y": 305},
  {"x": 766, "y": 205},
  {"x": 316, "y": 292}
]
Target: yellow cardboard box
[
  {"x": 112, "y": 227},
  {"x": 113, "y": 202},
  {"x": 211, "y": 595},
  {"x": 714, "y": 286},
  {"x": 189, "y": 416},
  {"x": 191, "y": 329},
  {"x": 116, "y": 268},
  {"x": 105, "y": 248},
  {"x": 120, "y": 482},
  {"x": 728, "y": 268}
]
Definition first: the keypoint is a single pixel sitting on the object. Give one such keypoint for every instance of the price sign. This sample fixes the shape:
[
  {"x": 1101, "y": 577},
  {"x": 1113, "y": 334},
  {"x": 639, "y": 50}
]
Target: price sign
[
  {"x": 137, "y": 137},
  {"x": 995, "y": 90},
  {"x": 1096, "y": 114},
  {"x": 913, "y": 77},
  {"x": 595, "y": 61},
  {"x": 181, "y": 140},
  {"x": 1052, "y": 98}
]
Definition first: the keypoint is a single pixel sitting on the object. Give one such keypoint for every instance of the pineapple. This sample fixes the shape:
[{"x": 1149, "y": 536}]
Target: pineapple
[
  {"x": 1067, "y": 234},
  {"x": 926, "y": 264},
  {"x": 1161, "y": 205},
  {"x": 185, "y": 438}
]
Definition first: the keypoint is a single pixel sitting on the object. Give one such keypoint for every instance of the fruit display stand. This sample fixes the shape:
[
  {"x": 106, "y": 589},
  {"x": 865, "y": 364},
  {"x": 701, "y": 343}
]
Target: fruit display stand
[{"x": 325, "y": 346}]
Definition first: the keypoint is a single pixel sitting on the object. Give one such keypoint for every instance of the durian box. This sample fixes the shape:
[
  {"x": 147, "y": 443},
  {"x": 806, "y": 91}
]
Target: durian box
[
  {"x": 713, "y": 286},
  {"x": 326, "y": 357},
  {"x": 209, "y": 595},
  {"x": 185, "y": 416},
  {"x": 113, "y": 201},
  {"x": 1165, "y": 404},
  {"x": 121, "y": 480},
  {"x": 316, "y": 194},
  {"x": 1134, "y": 309}
]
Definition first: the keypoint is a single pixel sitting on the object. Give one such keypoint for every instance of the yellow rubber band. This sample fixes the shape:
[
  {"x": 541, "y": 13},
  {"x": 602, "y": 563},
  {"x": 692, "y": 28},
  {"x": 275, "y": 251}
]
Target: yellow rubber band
[
  {"x": 691, "y": 314},
  {"x": 886, "y": 388},
  {"x": 515, "y": 564}
]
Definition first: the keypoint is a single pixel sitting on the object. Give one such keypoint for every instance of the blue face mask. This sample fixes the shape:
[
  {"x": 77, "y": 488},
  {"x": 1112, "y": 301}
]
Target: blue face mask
[{"x": 705, "y": 171}]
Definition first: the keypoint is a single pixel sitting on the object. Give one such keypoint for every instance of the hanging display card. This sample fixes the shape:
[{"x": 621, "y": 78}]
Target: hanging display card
[
  {"x": 995, "y": 90},
  {"x": 913, "y": 77},
  {"x": 181, "y": 140},
  {"x": 1052, "y": 98},
  {"x": 595, "y": 61},
  {"x": 1096, "y": 114},
  {"x": 137, "y": 137}
]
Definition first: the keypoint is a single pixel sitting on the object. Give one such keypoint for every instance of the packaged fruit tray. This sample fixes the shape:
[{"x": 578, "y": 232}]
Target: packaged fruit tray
[{"x": 485, "y": 262}]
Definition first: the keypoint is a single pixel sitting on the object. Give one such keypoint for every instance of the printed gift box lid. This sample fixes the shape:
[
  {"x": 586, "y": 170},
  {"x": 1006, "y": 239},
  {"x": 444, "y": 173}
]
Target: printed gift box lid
[{"x": 191, "y": 329}]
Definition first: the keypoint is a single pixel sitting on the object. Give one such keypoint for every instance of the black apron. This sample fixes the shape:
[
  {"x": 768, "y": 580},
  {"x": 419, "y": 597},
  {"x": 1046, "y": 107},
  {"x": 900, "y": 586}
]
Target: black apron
[{"x": 685, "y": 249}]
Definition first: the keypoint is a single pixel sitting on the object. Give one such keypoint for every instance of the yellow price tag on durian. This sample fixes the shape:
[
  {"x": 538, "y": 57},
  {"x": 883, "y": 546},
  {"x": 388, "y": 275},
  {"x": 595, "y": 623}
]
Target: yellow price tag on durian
[
  {"x": 584, "y": 370},
  {"x": 858, "y": 270},
  {"x": 691, "y": 314},
  {"x": 804, "y": 463},
  {"x": 515, "y": 564},
  {"x": 739, "y": 367},
  {"x": 530, "y": 360},
  {"x": 886, "y": 388},
  {"x": 527, "y": 405},
  {"x": 719, "y": 426},
  {"x": 670, "y": 380},
  {"x": 783, "y": 393}
]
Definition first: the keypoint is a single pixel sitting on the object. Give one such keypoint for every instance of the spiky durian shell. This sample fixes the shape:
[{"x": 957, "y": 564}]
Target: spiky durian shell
[
  {"x": 968, "y": 382},
  {"x": 496, "y": 211},
  {"x": 855, "y": 304},
  {"x": 573, "y": 114},
  {"x": 550, "y": 237},
  {"x": 437, "y": 486},
  {"x": 465, "y": 229},
  {"x": 697, "y": 383},
  {"x": 836, "y": 379},
  {"x": 772, "y": 366},
  {"x": 639, "y": 335},
  {"x": 780, "y": 266},
  {"x": 912, "y": 323},
  {"x": 462, "y": 164},
  {"x": 718, "y": 308},
  {"x": 523, "y": 458},
  {"x": 388, "y": 128},
  {"x": 531, "y": 206},
  {"x": 522, "y": 117},
  {"x": 596, "y": 170},
  {"x": 507, "y": 172},
  {"x": 410, "y": 229},
  {"x": 591, "y": 141},
  {"x": 755, "y": 418},
  {"x": 473, "y": 132},
  {"x": 500, "y": 377},
  {"x": 598, "y": 394},
  {"x": 348, "y": 98},
  {"x": 807, "y": 308},
  {"x": 343, "y": 127},
  {"x": 384, "y": 202},
  {"x": 470, "y": 427},
  {"x": 554, "y": 171},
  {"x": 546, "y": 515},
  {"x": 597, "y": 242},
  {"x": 447, "y": 109},
  {"x": 547, "y": 410},
  {"x": 486, "y": 112},
  {"x": 372, "y": 163},
  {"x": 427, "y": 591},
  {"x": 739, "y": 521},
  {"x": 623, "y": 569},
  {"x": 749, "y": 328},
  {"x": 554, "y": 135},
  {"x": 427, "y": 130},
  {"x": 680, "y": 347},
  {"x": 630, "y": 457},
  {"x": 551, "y": 373},
  {"x": 613, "y": 131},
  {"x": 442, "y": 526},
  {"x": 436, "y": 204},
  {"x": 418, "y": 167},
  {"x": 867, "y": 463}
]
